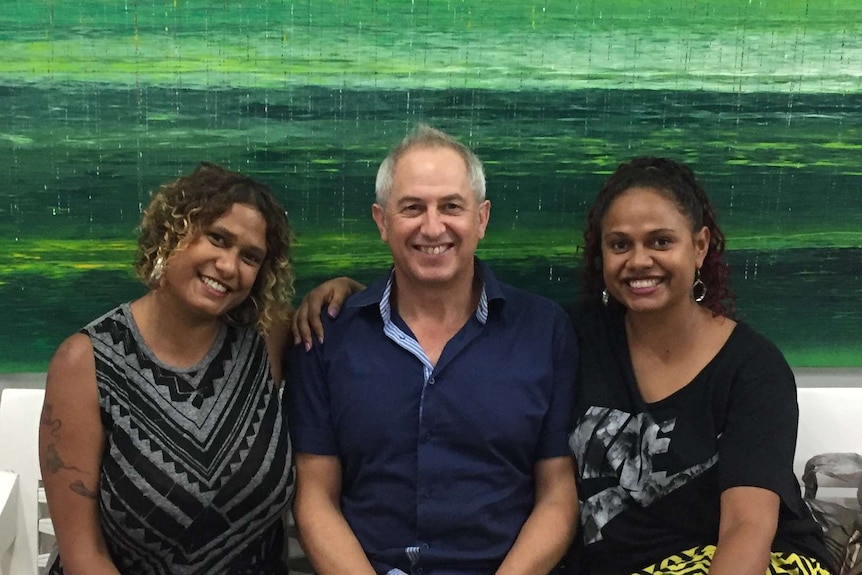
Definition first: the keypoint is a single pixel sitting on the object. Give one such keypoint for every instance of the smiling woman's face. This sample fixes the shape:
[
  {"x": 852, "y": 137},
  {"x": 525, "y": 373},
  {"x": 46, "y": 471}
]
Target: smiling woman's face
[
  {"x": 649, "y": 252},
  {"x": 214, "y": 271}
]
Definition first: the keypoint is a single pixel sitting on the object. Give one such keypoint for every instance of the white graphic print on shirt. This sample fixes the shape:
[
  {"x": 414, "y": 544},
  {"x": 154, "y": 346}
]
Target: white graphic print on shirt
[{"x": 612, "y": 443}]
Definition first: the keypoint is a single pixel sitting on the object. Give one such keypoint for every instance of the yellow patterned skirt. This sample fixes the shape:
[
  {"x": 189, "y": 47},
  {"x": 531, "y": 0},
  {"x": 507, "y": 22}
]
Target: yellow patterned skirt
[{"x": 696, "y": 561}]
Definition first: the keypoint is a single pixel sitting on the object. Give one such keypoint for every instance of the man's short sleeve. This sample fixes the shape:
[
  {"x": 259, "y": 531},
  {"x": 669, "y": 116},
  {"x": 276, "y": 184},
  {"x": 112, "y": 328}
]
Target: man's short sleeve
[
  {"x": 308, "y": 402},
  {"x": 557, "y": 424}
]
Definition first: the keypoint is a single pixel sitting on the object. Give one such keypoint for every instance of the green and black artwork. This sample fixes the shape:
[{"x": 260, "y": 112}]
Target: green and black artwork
[{"x": 102, "y": 101}]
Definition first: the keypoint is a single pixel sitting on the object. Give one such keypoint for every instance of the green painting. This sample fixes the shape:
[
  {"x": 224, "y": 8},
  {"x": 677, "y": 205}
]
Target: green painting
[{"x": 100, "y": 101}]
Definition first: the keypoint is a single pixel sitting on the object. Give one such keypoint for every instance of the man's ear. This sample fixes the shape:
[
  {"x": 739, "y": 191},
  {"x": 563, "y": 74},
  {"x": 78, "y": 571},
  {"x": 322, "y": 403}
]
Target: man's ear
[
  {"x": 379, "y": 215},
  {"x": 484, "y": 216}
]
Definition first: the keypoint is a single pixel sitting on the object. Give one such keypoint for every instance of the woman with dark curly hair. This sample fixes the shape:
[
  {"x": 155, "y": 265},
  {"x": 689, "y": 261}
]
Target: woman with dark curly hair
[
  {"x": 685, "y": 419},
  {"x": 163, "y": 444}
]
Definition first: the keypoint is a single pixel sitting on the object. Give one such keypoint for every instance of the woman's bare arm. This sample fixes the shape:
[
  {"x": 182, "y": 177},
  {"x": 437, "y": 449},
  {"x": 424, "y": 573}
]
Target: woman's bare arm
[
  {"x": 71, "y": 440},
  {"x": 749, "y": 519}
]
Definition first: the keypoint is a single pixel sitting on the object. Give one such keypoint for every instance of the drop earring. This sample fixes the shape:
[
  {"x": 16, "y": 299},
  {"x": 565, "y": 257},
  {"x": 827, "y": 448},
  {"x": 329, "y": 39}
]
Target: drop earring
[
  {"x": 698, "y": 288},
  {"x": 158, "y": 270}
]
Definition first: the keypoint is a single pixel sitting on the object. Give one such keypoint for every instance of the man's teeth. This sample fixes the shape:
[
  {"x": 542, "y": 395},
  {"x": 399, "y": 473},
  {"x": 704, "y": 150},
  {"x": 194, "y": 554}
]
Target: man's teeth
[
  {"x": 433, "y": 250},
  {"x": 639, "y": 284},
  {"x": 212, "y": 284}
]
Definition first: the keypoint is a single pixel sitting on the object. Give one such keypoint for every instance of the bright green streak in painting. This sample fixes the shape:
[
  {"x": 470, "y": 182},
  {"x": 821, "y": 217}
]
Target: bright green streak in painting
[{"x": 729, "y": 45}]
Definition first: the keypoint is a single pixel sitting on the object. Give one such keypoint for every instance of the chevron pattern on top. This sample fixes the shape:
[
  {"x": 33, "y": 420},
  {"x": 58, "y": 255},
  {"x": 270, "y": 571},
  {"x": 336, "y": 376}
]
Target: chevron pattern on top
[{"x": 196, "y": 472}]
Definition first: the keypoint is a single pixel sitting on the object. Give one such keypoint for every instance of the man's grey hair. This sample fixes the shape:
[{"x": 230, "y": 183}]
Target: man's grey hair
[{"x": 424, "y": 136}]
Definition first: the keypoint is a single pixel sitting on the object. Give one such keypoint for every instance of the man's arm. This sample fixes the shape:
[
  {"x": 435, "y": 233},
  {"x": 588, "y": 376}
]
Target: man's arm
[
  {"x": 325, "y": 535},
  {"x": 550, "y": 527}
]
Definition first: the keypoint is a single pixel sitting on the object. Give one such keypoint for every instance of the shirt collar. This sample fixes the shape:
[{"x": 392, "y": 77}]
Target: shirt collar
[{"x": 377, "y": 294}]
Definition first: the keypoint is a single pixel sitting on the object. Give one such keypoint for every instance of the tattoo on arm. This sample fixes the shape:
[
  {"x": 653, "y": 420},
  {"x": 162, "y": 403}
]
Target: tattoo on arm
[
  {"x": 53, "y": 462},
  {"x": 48, "y": 420},
  {"x": 79, "y": 488}
]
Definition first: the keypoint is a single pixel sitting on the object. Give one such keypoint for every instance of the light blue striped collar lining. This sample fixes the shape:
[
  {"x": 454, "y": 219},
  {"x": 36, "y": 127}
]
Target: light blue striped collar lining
[{"x": 386, "y": 306}]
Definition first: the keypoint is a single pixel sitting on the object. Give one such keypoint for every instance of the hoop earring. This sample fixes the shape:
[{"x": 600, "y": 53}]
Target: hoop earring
[
  {"x": 698, "y": 288},
  {"x": 605, "y": 297},
  {"x": 158, "y": 270}
]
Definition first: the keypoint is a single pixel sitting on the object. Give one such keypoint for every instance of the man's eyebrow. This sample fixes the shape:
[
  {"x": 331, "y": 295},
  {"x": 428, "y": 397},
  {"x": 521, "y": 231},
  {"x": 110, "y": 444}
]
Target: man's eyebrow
[{"x": 409, "y": 200}]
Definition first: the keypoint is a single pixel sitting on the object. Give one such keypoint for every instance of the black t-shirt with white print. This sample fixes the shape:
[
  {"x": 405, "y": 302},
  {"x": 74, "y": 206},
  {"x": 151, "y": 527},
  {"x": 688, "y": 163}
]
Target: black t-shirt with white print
[{"x": 650, "y": 475}]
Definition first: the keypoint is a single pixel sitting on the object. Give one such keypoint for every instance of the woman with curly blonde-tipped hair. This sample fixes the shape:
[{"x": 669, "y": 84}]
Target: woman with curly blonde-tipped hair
[{"x": 163, "y": 444}]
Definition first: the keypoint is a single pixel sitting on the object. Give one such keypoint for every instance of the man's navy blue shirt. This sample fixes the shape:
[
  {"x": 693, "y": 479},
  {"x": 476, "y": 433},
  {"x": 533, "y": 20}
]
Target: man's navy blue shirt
[{"x": 438, "y": 461}]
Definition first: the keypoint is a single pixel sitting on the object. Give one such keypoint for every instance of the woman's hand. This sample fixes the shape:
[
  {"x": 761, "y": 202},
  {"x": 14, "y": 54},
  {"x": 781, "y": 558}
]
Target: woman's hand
[{"x": 332, "y": 293}]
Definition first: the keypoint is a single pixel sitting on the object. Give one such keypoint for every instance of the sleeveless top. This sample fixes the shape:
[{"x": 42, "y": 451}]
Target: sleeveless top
[{"x": 196, "y": 472}]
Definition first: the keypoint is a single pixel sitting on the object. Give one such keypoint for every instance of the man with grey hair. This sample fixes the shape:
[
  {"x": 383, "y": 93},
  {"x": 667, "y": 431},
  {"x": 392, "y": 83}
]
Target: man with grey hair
[{"x": 431, "y": 426}]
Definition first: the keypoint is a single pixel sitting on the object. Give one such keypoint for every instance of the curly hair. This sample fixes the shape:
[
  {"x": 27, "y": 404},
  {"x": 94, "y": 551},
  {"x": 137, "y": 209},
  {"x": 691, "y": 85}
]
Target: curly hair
[
  {"x": 183, "y": 208},
  {"x": 679, "y": 184}
]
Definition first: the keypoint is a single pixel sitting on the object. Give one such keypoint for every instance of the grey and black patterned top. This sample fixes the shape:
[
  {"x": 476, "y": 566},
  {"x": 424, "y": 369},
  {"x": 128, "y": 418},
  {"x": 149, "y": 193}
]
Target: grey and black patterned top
[{"x": 196, "y": 472}]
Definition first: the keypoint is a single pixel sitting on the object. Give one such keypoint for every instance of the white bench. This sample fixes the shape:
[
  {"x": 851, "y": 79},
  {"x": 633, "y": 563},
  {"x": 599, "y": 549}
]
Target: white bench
[
  {"x": 19, "y": 454},
  {"x": 830, "y": 420},
  {"x": 8, "y": 518}
]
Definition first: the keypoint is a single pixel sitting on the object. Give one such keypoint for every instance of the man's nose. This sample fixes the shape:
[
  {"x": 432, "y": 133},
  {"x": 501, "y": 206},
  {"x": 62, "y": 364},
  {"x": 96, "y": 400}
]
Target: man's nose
[{"x": 432, "y": 224}]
